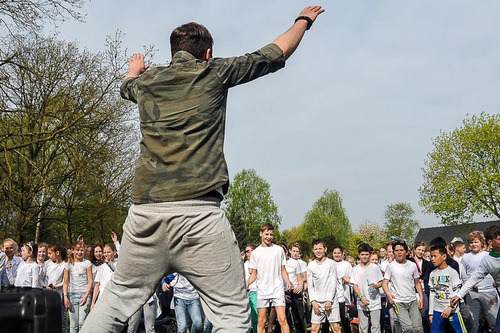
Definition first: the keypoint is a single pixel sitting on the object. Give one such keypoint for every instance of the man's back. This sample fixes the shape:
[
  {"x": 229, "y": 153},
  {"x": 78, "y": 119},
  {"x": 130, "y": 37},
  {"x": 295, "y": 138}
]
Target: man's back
[{"x": 182, "y": 110}]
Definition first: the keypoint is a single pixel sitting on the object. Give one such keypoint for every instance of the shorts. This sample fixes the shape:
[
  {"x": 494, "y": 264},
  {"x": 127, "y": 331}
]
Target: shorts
[
  {"x": 333, "y": 315},
  {"x": 265, "y": 303}
]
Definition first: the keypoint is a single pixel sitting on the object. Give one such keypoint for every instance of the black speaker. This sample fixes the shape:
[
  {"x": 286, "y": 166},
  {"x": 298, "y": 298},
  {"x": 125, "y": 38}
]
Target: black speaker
[{"x": 27, "y": 310}]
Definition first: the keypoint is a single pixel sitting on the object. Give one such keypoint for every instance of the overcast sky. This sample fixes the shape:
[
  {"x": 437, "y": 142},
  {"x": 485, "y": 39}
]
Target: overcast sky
[{"x": 358, "y": 104}]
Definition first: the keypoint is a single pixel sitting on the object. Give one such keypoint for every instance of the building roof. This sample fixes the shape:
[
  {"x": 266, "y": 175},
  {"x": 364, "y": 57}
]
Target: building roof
[{"x": 452, "y": 231}]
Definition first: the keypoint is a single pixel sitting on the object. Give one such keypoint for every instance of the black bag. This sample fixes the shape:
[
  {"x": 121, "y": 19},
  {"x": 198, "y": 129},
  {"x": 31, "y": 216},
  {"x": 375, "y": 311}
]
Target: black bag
[{"x": 30, "y": 310}]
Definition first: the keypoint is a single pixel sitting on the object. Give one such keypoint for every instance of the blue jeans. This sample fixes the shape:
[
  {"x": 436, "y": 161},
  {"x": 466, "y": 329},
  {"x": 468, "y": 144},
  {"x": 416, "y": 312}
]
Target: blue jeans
[
  {"x": 77, "y": 313},
  {"x": 183, "y": 309}
]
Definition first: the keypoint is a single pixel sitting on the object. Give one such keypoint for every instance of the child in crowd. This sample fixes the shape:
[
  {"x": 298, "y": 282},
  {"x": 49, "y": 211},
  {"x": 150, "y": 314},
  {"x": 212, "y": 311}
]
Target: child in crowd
[
  {"x": 344, "y": 270},
  {"x": 488, "y": 265},
  {"x": 10, "y": 263},
  {"x": 54, "y": 277},
  {"x": 267, "y": 265},
  {"x": 104, "y": 274},
  {"x": 77, "y": 286},
  {"x": 443, "y": 282},
  {"x": 401, "y": 279},
  {"x": 374, "y": 257},
  {"x": 482, "y": 299},
  {"x": 367, "y": 279},
  {"x": 40, "y": 260},
  {"x": 252, "y": 289},
  {"x": 28, "y": 272},
  {"x": 322, "y": 275}
]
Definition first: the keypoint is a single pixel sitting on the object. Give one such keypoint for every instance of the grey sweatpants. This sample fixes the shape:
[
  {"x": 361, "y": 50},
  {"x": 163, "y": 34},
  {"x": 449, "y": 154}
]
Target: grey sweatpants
[
  {"x": 409, "y": 317},
  {"x": 193, "y": 238}
]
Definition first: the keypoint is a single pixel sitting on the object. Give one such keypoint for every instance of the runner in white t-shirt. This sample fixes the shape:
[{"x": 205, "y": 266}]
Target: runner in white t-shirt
[
  {"x": 267, "y": 265},
  {"x": 367, "y": 279},
  {"x": 401, "y": 279},
  {"x": 322, "y": 289}
]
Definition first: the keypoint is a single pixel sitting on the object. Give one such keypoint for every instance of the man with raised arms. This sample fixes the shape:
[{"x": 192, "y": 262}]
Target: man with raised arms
[{"x": 181, "y": 176}]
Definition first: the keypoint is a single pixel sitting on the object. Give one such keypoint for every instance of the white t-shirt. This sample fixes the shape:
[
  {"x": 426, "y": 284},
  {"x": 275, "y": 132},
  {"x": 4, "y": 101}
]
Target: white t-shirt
[
  {"x": 444, "y": 284},
  {"x": 322, "y": 281},
  {"x": 183, "y": 289},
  {"x": 293, "y": 268},
  {"x": 253, "y": 286},
  {"x": 268, "y": 261},
  {"x": 78, "y": 276},
  {"x": 95, "y": 270},
  {"x": 303, "y": 266},
  {"x": 103, "y": 276},
  {"x": 55, "y": 273},
  {"x": 383, "y": 265},
  {"x": 43, "y": 273},
  {"x": 363, "y": 277},
  {"x": 402, "y": 280},
  {"x": 28, "y": 275},
  {"x": 471, "y": 262},
  {"x": 343, "y": 289}
]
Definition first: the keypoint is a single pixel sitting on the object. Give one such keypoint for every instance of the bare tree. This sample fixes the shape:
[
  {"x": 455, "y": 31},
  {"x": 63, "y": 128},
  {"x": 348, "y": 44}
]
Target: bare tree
[
  {"x": 28, "y": 15},
  {"x": 66, "y": 136}
]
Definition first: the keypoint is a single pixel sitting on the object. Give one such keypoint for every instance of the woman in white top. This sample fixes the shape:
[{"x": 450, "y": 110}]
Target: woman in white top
[
  {"x": 77, "y": 286},
  {"x": 28, "y": 272}
]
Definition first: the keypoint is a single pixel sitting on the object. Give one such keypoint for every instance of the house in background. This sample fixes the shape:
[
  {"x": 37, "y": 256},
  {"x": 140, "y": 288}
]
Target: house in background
[{"x": 452, "y": 231}]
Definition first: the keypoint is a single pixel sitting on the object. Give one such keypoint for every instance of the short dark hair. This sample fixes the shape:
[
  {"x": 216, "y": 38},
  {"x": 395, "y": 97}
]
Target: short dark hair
[
  {"x": 492, "y": 232},
  {"x": 191, "y": 37},
  {"x": 400, "y": 243},
  {"x": 440, "y": 248},
  {"x": 438, "y": 241},
  {"x": 339, "y": 247},
  {"x": 364, "y": 247}
]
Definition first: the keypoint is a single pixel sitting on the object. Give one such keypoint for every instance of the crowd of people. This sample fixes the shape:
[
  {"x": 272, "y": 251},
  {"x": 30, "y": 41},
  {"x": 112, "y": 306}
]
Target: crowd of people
[
  {"x": 426, "y": 288},
  {"x": 79, "y": 274},
  {"x": 435, "y": 287}
]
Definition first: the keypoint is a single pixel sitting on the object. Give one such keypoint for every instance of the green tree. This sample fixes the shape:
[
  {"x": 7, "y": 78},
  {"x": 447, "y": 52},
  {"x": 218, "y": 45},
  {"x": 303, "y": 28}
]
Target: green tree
[
  {"x": 462, "y": 173},
  {"x": 249, "y": 204},
  {"x": 296, "y": 235},
  {"x": 400, "y": 223},
  {"x": 328, "y": 220},
  {"x": 371, "y": 233}
]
